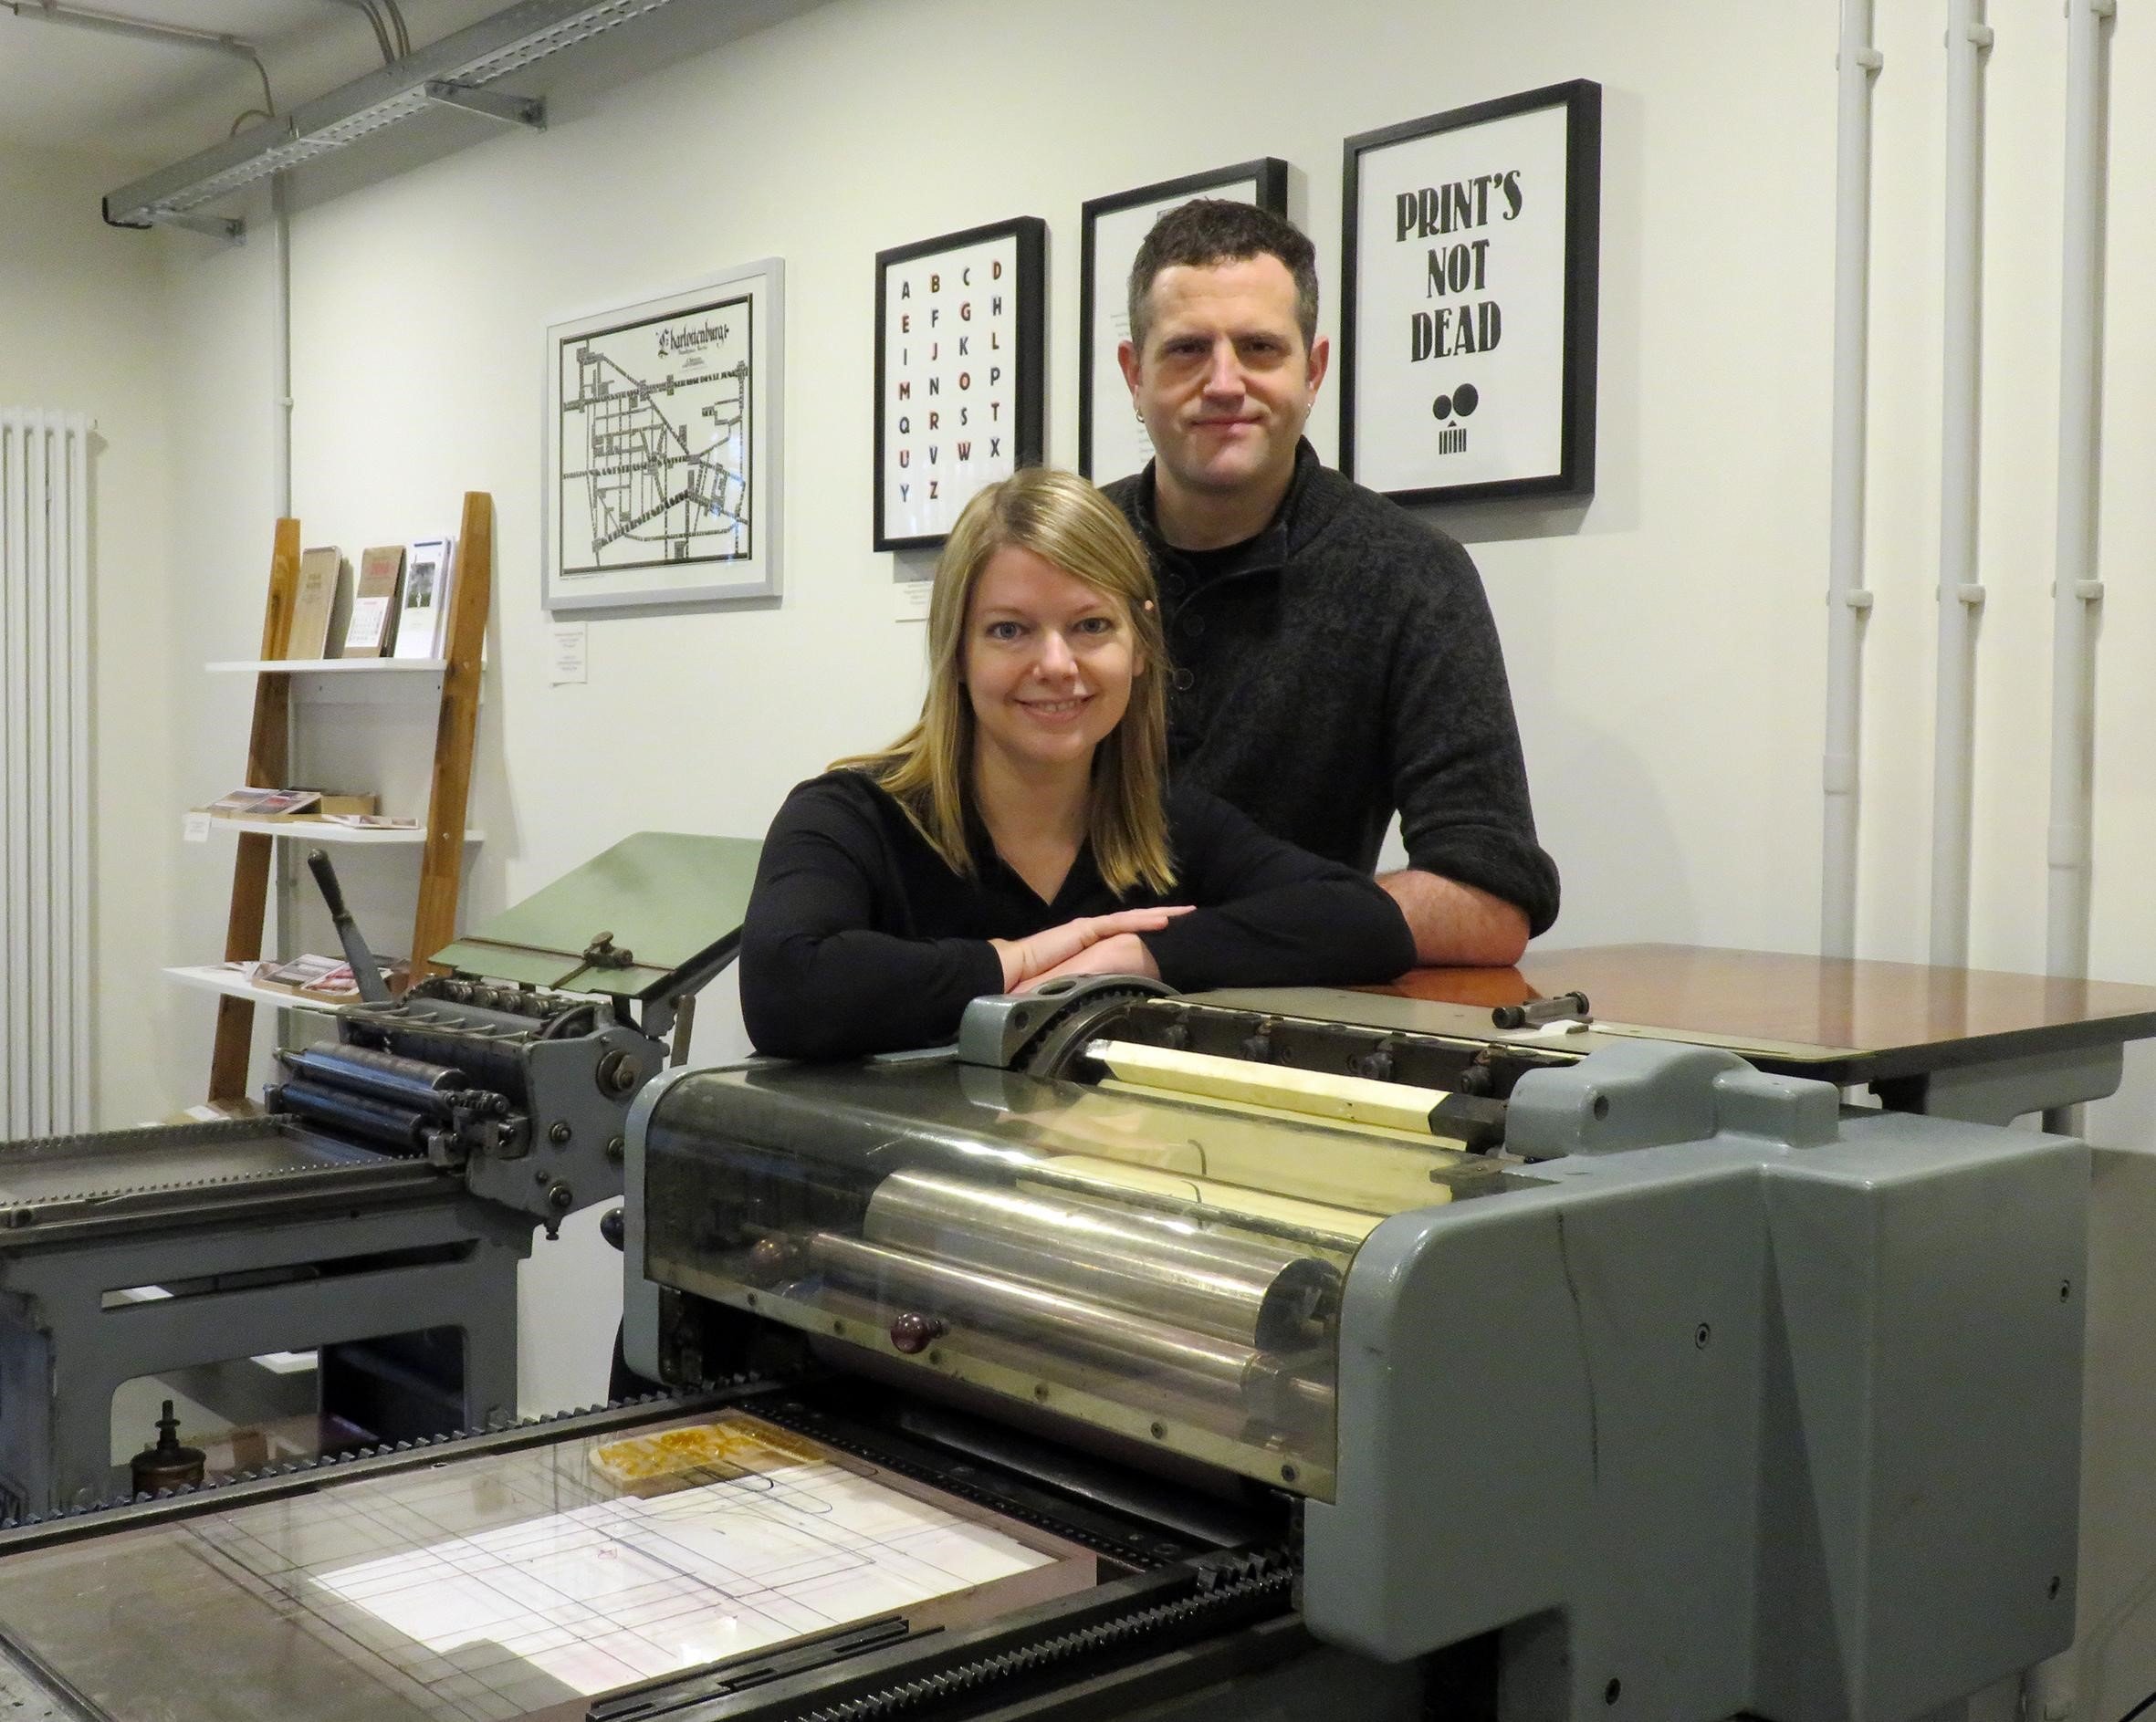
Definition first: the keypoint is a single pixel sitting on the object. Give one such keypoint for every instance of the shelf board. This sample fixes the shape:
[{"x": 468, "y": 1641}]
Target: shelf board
[
  {"x": 327, "y": 666},
  {"x": 210, "y": 978},
  {"x": 323, "y": 832}
]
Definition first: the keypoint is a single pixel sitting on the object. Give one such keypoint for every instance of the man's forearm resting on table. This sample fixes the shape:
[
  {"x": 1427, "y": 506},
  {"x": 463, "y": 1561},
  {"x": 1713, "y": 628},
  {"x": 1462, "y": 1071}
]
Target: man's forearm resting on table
[{"x": 1457, "y": 925}]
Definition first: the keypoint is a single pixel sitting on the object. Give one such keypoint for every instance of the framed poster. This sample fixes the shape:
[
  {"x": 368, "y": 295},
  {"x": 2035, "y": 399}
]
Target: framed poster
[
  {"x": 661, "y": 482},
  {"x": 1471, "y": 246},
  {"x": 1112, "y": 441},
  {"x": 959, "y": 385}
]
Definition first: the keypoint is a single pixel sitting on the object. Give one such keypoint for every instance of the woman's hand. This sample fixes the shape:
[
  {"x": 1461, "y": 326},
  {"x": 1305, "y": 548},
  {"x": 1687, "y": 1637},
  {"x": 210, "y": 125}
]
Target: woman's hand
[
  {"x": 1123, "y": 954},
  {"x": 1051, "y": 951}
]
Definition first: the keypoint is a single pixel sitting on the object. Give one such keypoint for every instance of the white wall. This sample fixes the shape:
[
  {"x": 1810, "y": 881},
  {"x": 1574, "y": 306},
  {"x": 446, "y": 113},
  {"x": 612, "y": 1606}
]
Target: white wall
[
  {"x": 84, "y": 308},
  {"x": 1666, "y": 640}
]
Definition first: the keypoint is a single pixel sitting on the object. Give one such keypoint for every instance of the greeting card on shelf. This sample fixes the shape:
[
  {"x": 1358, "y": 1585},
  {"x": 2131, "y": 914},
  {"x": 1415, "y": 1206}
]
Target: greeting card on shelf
[
  {"x": 422, "y": 621},
  {"x": 375, "y": 608},
  {"x": 321, "y": 607}
]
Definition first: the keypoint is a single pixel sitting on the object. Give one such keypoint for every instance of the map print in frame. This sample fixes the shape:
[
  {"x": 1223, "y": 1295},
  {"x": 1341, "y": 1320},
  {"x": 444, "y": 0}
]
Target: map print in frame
[{"x": 662, "y": 464}]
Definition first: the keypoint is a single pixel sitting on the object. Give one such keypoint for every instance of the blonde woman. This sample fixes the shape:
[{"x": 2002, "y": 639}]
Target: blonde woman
[{"x": 1023, "y": 830}]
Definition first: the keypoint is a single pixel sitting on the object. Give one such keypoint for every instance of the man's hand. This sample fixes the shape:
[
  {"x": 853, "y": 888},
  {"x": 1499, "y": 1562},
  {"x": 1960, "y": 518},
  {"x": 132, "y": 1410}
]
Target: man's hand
[
  {"x": 1124, "y": 953},
  {"x": 1456, "y": 924},
  {"x": 1050, "y": 952}
]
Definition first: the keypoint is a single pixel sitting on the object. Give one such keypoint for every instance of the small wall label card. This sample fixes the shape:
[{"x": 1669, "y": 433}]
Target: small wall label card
[
  {"x": 661, "y": 483},
  {"x": 958, "y": 373},
  {"x": 1111, "y": 442},
  {"x": 1470, "y": 253}
]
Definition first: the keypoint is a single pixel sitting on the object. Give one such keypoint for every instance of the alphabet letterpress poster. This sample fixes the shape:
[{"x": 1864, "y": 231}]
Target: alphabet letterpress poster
[
  {"x": 1467, "y": 330},
  {"x": 959, "y": 385}
]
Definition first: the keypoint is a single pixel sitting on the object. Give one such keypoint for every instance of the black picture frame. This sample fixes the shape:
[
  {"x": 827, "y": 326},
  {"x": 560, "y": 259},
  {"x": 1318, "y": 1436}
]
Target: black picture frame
[
  {"x": 1570, "y": 400},
  {"x": 1269, "y": 176},
  {"x": 1026, "y": 395}
]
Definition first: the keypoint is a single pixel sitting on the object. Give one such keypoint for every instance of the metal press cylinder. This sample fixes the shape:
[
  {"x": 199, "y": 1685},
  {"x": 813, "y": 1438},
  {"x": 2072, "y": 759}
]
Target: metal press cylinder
[
  {"x": 1153, "y": 1357},
  {"x": 384, "y": 1076},
  {"x": 491, "y": 1057},
  {"x": 1194, "y": 1363},
  {"x": 1239, "y": 1290},
  {"x": 398, "y": 1127}
]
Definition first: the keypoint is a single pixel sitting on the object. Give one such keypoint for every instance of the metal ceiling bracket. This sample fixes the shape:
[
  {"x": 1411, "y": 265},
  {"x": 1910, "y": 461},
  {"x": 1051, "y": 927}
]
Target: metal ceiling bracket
[
  {"x": 229, "y": 228},
  {"x": 497, "y": 47},
  {"x": 515, "y": 110}
]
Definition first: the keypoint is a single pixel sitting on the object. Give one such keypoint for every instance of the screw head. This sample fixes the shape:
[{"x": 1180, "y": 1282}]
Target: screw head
[
  {"x": 912, "y": 1332},
  {"x": 559, "y": 1132}
]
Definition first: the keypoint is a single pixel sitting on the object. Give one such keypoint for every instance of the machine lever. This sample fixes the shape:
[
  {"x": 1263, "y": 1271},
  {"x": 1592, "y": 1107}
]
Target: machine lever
[
  {"x": 1538, "y": 1011},
  {"x": 373, "y": 989}
]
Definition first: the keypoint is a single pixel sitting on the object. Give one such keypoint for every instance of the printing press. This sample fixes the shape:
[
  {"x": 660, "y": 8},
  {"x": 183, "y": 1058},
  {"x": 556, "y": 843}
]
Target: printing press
[
  {"x": 1230, "y": 1355},
  {"x": 378, "y": 1210}
]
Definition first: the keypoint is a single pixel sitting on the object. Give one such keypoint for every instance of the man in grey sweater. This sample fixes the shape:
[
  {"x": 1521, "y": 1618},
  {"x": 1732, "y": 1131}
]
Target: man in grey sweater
[{"x": 1335, "y": 658}]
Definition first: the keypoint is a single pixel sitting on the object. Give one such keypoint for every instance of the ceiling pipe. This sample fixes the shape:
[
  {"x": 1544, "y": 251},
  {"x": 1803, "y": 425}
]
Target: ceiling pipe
[
  {"x": 121, "y": 23},
  {"x": 1960, "y": 597},
  {"x": 1857, "y": 62}
]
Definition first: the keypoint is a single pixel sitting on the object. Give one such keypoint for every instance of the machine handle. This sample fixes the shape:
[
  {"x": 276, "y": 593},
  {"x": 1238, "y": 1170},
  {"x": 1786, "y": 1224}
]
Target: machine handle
[
  {"x": 325, "y": 879},
  {"x": 1535, "y": 1012},
  {"x": 365, "y": 970}
]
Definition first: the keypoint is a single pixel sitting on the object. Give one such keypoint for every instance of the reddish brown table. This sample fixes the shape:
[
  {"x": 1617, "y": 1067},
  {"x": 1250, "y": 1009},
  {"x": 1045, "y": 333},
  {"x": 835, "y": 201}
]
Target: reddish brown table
[{"x": 1964, "y": 1042}]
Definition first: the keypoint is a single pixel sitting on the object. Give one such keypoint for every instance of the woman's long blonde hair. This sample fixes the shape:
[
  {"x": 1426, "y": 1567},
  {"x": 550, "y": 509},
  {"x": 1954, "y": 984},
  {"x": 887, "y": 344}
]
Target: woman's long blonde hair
[{"x": 928, "y": 771}]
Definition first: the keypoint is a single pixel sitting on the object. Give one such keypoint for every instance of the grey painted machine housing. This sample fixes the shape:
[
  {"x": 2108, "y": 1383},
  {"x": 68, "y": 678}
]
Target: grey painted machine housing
[{"x": 1755, "y": 1405}]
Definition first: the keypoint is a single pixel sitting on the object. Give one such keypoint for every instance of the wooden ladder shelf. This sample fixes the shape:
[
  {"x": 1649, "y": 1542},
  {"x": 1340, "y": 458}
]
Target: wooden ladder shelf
[{"x": 269, "y": 745}]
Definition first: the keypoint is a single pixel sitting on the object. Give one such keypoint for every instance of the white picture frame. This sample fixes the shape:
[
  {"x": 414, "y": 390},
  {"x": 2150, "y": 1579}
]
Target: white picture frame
[{"x": 661, "y": 482}]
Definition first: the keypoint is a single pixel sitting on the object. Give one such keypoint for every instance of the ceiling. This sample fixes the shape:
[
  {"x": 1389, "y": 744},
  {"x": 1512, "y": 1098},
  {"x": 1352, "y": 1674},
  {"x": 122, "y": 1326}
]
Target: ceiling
[
  {"x": 68, "y": 88},
  {"x": 146, "y": 104}
]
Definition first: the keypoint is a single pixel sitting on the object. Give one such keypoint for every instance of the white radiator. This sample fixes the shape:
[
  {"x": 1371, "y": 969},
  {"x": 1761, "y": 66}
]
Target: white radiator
[{"x": 45, "y": 810}]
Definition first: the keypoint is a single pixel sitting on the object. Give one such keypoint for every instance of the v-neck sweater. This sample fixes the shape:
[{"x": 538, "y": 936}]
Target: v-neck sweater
[{"x": 861, "y": 938}]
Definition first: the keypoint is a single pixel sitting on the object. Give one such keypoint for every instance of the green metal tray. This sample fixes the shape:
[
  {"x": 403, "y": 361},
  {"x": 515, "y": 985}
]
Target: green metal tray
[{"x": 624, "y": 923}]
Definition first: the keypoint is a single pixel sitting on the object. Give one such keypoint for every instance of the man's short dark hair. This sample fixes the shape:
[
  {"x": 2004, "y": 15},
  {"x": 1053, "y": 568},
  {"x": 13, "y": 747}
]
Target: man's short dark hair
[{"x": 1212, "y": 230}]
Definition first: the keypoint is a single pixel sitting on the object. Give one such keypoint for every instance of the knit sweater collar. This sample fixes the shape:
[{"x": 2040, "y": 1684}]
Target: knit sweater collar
[{"x": 1293, "y": 525}]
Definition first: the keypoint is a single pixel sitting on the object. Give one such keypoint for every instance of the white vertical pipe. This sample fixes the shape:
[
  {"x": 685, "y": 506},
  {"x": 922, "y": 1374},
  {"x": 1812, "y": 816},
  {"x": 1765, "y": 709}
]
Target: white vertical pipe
[
  {"x": 280, "y": 349},
  {"x": 1857, "y": 64},
  {"x": 60, "y": 810},
  {"x": 285, "y": 898},
  {"x": 79, "y": 603},
  {"x": 14, "y": 943},
  {"x": 1968, "y": 38},
  {"x": 35, "y": 1032},
  {"x": 2074, "y": 590},
  {"x": 2051, "y": 1690}
]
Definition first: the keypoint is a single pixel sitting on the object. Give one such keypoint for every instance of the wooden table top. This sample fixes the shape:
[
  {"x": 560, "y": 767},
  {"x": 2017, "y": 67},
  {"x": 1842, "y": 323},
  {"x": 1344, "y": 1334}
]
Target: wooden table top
[{"x": 1826, "y": 1002}]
